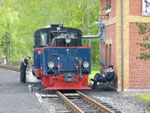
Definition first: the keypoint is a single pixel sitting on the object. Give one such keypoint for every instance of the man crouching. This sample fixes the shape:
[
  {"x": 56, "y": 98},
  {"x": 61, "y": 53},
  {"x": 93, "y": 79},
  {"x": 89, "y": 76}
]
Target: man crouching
[{"x": 108, "y": 77}]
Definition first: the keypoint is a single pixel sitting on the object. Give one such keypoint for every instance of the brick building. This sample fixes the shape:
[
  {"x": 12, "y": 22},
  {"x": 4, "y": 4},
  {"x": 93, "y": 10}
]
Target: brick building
[{"x": 135, "y": 72}]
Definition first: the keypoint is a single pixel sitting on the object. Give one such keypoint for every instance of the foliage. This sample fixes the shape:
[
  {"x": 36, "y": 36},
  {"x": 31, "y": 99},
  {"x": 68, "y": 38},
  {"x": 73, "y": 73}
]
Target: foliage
[
  {"x": 95, "y": 69},
  {"x": 144, "y": 97},
  {"x": 20, "y": 18},
  {"x": 144, "y": 31},
  {"x": 108, "y": 6},
  {"x": 14, "y": 63}
]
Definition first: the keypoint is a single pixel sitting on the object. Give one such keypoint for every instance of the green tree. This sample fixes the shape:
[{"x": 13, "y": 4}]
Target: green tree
[
  {"x": 82, "y": 14},
  {"x": 20, "y": 18}
]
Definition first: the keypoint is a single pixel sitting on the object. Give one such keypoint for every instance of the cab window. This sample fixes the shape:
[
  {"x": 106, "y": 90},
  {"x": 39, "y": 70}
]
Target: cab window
[{"x": 43, "y": 39}]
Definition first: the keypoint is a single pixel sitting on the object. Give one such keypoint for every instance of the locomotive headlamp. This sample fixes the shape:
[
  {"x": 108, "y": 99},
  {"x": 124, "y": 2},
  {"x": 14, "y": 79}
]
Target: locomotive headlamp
[
  {"x": 51, "y": 64},
  {"x": 67, "y": 40},
  {"x": 85, "y": 64}
]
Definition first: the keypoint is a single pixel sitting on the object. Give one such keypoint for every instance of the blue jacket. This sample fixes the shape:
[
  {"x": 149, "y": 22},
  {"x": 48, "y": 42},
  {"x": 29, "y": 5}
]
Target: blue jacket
[{"x": 109, "y": 76}]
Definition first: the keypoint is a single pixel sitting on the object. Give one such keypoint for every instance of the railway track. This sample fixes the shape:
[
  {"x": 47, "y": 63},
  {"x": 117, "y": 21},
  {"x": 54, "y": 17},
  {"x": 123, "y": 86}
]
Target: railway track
[
  {"x": 77, "y": 102},
  {"x": 83, "y": 104},
  {"x": 10, "y": 67}
]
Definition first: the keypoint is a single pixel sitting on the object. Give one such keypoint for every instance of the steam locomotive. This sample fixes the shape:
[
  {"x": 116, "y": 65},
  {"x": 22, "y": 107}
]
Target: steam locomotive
[{"x": 60, "y": 60}]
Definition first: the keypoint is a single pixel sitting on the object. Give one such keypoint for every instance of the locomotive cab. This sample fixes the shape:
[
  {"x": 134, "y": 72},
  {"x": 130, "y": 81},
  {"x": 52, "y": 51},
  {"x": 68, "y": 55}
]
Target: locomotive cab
[{"x": 57, "y": 36}]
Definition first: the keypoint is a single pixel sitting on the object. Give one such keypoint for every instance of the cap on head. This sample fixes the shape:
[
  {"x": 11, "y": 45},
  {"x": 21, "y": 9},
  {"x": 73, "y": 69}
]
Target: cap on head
[
  {"x": 110, "y": 66},
  {"x": 29, "y": 57}
]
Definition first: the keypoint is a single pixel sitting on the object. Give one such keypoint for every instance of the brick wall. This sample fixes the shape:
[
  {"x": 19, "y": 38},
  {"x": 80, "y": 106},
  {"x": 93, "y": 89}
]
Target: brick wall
[
  {"x": 103, "y": 3},
  {"x": 113, "y": 8},
  {"x": 135, "y": 7},
  {"x": 139, "y": 69},
  {"x": 110, "y": 40},
  {"x": 136, "y": 71},
  {"x": 110, "y": 35}
]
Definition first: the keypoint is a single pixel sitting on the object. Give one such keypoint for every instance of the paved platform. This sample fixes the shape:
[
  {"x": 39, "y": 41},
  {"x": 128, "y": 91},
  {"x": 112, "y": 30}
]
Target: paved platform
[{"x": 15, "y": 97}]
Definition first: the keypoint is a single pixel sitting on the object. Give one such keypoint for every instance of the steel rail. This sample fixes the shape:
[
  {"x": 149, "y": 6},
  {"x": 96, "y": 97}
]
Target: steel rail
[
  {"x": 99, "y": 106},
  {"x": 69, "y": 103},
  {"x": 10, "y": 67}
]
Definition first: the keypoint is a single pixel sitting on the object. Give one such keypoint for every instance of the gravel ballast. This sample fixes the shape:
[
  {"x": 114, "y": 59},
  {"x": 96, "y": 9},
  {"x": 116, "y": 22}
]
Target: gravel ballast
[{"x": 122, "y": 101}]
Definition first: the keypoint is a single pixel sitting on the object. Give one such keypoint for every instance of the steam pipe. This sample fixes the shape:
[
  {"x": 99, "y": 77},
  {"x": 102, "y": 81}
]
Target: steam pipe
[{"x": 101, "y": 27}]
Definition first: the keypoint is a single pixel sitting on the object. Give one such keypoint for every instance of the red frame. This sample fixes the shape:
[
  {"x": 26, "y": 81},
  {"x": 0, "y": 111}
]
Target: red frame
[
  {"x": 63, "y": 47},
  {"x": 58, "y": 83}
]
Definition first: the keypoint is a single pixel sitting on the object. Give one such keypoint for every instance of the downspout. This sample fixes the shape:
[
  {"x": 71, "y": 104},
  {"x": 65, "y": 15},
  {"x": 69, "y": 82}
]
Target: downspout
[{"x": 122, "y": 45}]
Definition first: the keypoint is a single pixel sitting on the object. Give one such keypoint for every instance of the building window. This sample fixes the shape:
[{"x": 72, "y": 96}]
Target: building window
[
  {"x": 110, "y": 54},
  {"x": 146, "y": 7},
  {"x": 106, "y": 56}
]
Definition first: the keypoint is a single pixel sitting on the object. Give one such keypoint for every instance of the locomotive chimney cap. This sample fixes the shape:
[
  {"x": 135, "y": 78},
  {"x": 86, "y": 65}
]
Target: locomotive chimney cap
[{"x": 56, "y": 25}]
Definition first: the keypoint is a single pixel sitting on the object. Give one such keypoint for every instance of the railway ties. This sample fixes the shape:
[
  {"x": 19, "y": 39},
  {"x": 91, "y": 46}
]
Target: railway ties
[
  {"x": 54, "y": 103},
  {"x": 73, "y": 102},
  {"x": 80, "y": 103}
]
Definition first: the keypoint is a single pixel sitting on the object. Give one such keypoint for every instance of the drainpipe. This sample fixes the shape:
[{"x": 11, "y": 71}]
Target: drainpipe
[{"x": 122, "y": 52}]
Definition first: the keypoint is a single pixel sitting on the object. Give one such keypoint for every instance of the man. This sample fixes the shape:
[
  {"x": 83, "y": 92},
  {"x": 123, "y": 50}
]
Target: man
[
  {"x": 103, "y": 78},
  {"x": 23, "y": 67},
  {"x": 4, "y": 59}
]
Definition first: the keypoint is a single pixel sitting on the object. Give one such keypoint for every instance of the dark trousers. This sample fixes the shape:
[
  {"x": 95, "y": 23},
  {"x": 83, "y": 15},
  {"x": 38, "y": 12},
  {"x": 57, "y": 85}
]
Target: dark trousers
[
  {"x": 99, "y": 78},
  {"x": 23, "y": 75}
]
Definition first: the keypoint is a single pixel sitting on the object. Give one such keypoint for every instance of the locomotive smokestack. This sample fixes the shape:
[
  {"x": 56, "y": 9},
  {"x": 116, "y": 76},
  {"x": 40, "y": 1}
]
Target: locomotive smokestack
[{"x": 54, "y": 26}]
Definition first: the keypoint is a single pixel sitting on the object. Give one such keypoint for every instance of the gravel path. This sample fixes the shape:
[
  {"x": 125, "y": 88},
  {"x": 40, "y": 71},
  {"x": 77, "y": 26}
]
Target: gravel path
[
  {"x": 15, "y": 97},
  {"x": 122, "y": 101}
]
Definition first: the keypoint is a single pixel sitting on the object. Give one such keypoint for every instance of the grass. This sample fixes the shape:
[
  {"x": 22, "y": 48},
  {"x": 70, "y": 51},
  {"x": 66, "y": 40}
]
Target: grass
[
  {"x": 145, "y": 97},
  {"x": 14, "y": 63},
  {"x": 94, "y": 69}
]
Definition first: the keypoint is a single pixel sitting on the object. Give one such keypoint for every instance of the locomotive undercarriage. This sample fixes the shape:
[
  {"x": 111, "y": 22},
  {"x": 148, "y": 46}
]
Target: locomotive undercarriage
[
  {"x": 58, "y": 82},
  {"x": 63, "y": 81}
]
